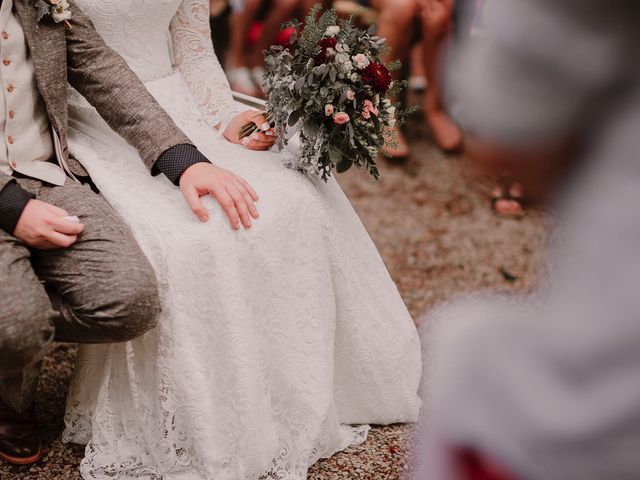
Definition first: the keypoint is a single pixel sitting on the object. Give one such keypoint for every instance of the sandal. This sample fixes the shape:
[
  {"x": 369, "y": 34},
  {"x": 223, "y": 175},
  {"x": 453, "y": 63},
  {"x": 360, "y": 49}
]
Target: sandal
[{"x": 506, "y": 201}]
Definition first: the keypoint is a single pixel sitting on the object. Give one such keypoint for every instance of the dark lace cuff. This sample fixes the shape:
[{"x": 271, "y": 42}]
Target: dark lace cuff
[
  {"x": 176, "y": 160},
  {"x": 13, "y": 199}
]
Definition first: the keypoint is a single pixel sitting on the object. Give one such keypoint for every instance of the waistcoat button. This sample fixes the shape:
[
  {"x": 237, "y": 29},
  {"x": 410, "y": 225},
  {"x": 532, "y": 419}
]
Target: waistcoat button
[
  {"x": 10, "y": 88},
  {"x": 6, "y": 62},
  {"x": 10, "y": 139}
]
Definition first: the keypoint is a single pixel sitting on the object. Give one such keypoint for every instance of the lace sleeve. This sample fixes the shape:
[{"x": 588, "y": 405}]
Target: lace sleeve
[{"x": 199, "y": 65}]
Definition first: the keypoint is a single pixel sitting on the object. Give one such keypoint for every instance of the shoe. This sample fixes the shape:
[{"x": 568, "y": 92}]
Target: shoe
[
  {"x": 257, "y": 74},
  {"x": 417, "y": 83},
  {"x": 241, "y": 81},
  {"x": 19, "y": 436},
  {"x": 396, "y": 149}
]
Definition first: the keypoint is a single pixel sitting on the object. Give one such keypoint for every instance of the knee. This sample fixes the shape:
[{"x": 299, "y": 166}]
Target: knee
[
  {"x": 134, "y": 303},
  {"x": 404, "y": 9},
  {"x": 286, "y": 6},
  {"x": 24, "y": 336},
  {"x": 400, "y": 13}
]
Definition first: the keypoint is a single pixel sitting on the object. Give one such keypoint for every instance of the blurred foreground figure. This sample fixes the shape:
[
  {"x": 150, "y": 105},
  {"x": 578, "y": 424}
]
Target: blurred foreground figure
[{"x": 547, "y": 387}]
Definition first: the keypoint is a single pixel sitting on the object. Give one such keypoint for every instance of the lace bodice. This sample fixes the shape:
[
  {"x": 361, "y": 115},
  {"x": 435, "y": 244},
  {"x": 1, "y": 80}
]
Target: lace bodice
[{"x": 156, "y": 37}]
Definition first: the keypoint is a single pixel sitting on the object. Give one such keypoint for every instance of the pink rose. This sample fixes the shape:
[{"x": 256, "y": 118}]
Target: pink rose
[
  {"x": 368, "y": 106},
  {"x": 351, "y": 94},
  {"x": 328, "y": 110},
  {"x": 361, "y": 61},
  {"x": 341, "y": 118},
  {"x": 366, "y": 114}
]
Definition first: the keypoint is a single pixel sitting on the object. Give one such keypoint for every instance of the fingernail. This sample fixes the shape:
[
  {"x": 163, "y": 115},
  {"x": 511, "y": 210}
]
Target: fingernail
[
  {"x": 255, "y": 136},
  {"x": 204, "y": 218},
  {"x": 270, "y": 133},
  {"x": 246, "y": 141},
  {"x": 265, "y": 126}
]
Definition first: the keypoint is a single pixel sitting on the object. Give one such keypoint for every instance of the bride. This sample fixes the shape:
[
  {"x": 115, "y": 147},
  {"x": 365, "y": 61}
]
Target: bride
[{"x": 277, "y": 344}]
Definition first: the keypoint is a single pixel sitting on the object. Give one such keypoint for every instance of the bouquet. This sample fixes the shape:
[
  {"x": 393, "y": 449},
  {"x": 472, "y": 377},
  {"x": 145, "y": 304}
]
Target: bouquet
[{"x": 332, "y": 84}]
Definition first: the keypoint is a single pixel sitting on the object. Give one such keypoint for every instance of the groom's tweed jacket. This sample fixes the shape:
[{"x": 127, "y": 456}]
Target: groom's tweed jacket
[{"x": 77, "y": 54}]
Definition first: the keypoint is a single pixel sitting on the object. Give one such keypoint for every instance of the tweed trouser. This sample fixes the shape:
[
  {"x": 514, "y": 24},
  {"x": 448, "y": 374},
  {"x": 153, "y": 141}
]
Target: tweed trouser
[{"x": 105, "y": 289}]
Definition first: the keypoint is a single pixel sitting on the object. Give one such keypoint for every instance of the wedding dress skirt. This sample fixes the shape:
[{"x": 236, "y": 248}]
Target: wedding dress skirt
[{"x": 272, "y": 340}]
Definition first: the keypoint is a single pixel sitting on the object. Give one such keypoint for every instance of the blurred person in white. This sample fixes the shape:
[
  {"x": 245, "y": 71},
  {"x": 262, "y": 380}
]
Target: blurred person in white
[{"x": 547, "y": 387}]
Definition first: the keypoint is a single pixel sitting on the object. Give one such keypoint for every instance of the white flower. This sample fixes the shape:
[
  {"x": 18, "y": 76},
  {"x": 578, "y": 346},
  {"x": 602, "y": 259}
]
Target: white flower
[
  {"x": 351, "y": 94},
  {"x": 343, "y": 64},
  {"x": 58, "y": 9},
  {"x": 341, "y": 47},
  {"x": 361, "y": 61},
  {"x": 391, "y": 111},
  {"x": 354, "y": 77},
  {"x": 332, "y": 31},
  {"x": 61, "y": 16},
  {"x": 330, "y": 52},
  {"x": 328, "y": 110}
]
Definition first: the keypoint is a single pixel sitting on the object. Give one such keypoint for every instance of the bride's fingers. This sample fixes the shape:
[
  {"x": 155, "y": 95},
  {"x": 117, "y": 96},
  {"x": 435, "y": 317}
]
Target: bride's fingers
[
  {"x": 249, "y": 188},
  {"x": 260, "y": 137},
  {"x": 240, "y": 202},
  {"x": 248, "y": 199},
  {"x": 261, "y": 146},
  {"x": 261, "y": 122}
]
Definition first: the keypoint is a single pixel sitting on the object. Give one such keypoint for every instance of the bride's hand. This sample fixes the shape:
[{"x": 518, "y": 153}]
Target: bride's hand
[
  {"x": 232, "y": 192},
  {"x": 262, "y": 139}
]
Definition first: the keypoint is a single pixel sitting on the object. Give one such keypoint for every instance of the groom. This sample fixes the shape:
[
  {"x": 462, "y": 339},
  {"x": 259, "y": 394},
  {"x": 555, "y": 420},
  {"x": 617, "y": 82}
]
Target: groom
[{"x": 57, "y": 236}]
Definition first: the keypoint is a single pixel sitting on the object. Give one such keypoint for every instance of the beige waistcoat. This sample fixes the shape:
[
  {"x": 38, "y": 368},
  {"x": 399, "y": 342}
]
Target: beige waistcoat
[{"x": 26, "y": 141}]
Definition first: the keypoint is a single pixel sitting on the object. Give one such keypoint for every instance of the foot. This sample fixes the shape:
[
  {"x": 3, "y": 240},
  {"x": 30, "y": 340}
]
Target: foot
[
  {"x": 257, "y": 75},
  {"x": 395, "y": 147},
  {"x": 19, "y": 437},
  {"x": 507, "y": 201},
  {"x": 445, "y": 132},
  {"x": 241, "y": 81}
]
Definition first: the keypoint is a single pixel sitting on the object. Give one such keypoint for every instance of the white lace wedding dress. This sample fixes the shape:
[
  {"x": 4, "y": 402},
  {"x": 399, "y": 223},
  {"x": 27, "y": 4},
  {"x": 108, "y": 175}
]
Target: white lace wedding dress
[{"x": 273, "y": 341}]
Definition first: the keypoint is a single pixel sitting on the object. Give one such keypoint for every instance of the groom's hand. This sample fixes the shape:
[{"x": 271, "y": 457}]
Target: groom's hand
[
  {"x": 233, "y": 193},
  {"x": 45, "y": 227}
]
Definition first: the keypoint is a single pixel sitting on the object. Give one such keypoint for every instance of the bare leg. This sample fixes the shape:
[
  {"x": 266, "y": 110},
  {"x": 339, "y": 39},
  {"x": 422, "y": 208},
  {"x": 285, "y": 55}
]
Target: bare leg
[
  {"x": 280, "y": 12},
  {"x": 237, "y": 61},
  {"x": 418, "y": 75},
  {"x": 436, "y": 19},
  {"x": 395, "y": 22}
]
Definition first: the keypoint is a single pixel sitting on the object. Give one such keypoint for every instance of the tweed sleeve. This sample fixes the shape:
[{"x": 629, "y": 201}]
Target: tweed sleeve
[{"x": 106, "y": 81}]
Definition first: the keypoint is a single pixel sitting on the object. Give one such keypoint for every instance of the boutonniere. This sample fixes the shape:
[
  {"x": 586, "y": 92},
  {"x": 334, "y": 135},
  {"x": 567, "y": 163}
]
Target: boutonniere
[{"x": 57, "y": 9}]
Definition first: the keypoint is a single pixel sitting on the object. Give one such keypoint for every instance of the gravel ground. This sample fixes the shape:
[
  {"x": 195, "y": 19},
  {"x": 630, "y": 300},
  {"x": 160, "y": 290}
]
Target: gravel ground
[{"x": 435, "y": 231}]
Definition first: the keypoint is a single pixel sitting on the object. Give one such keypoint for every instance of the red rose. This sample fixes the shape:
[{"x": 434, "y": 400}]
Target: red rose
[
  {"x": 325, "y": 44},
  {"x": 377, "y": 76}
]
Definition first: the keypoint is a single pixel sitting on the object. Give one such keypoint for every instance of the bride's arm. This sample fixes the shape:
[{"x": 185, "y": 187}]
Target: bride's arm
[{"x": 199, "y": 65}]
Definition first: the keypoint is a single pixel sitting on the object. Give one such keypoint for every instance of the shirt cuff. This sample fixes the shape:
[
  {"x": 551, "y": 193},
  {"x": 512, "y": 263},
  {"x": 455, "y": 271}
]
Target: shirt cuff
[
  {"x": 174, "y": 161},
  {"x": 13, "y": 200}
]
